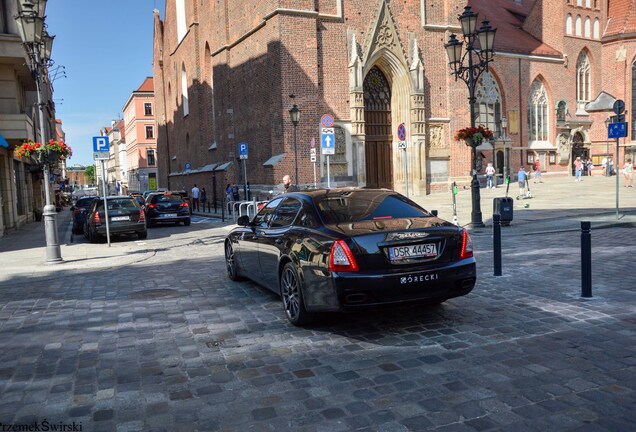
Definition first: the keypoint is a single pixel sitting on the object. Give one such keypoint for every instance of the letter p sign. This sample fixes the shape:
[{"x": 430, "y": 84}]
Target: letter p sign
[{"x": 100, "y": 144}]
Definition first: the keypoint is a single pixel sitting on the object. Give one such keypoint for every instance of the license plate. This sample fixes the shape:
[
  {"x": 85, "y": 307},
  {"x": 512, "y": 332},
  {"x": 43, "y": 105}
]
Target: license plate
[
  {"x": 426, "y": 250},
  {"x": 120, "y": 218},
  {"x": 169, "y": 215}
]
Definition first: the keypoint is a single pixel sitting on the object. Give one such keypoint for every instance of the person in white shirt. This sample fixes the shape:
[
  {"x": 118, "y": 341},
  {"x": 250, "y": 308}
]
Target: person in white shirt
[
  {"x": 195, "y": 198},
  {"x": 490, "y": 177}
]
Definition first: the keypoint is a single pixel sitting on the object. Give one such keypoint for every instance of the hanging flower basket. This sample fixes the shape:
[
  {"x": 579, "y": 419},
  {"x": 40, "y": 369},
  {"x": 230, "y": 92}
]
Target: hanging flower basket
[
  {"x": 50, "y": 153},
  {"x": 474, "y": 136}
]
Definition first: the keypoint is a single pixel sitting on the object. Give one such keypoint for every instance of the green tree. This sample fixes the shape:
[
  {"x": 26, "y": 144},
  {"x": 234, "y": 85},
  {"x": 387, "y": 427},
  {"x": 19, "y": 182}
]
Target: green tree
[{"x": 90, "y": 174}]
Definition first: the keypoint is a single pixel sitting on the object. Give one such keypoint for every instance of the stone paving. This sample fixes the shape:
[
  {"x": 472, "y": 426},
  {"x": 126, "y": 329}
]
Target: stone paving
[{"x": 167, "y": 343}]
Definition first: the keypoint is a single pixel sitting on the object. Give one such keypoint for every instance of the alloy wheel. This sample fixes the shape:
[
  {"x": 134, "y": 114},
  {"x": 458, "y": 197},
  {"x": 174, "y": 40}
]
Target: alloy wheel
[
  {"x": 290, "y": 293},
  {"x": 229, "y": 261}
]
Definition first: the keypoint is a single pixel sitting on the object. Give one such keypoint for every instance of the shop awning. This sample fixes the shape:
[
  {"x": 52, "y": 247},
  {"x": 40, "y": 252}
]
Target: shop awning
[{"x": 274, "y": 160}]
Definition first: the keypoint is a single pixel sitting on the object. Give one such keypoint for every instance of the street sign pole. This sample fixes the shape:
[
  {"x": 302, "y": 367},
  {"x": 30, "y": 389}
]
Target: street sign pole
[
  {"x": 105, "y": 201},
  {"x": 245, "y": 173},
  {"x": 616, "y": 169},
  {"x": 617, "y": 130},
  {"x": 406, "y": 173},
  {"x": 328, "y": 175},
  {"x": 327, "y": 141}
]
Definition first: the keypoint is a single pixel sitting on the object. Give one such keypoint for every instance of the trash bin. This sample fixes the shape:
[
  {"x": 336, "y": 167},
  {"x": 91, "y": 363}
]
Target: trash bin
[{"x": 503, "y": 206}]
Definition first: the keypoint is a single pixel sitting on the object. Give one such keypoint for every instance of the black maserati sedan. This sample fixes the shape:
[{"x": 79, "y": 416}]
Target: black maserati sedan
[{"x": 350, "y": 248}]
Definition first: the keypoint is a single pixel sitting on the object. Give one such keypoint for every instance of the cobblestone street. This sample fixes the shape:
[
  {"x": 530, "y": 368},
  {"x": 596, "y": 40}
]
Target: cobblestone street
[{"x": 168, "y": 343}]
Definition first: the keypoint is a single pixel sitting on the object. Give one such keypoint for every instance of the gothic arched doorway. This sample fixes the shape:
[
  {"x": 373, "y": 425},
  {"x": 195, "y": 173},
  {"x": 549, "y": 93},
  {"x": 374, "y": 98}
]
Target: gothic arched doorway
[
  {"x": 578, "y": 149},
  {"x": 377, "y": 129}
]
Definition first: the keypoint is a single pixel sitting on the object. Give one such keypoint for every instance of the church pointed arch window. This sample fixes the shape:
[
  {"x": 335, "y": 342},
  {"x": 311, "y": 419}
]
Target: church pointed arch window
[
  {"x": 488, "y": 103},
  {"x": 184, "y": 91},
  {"x": 538, "y": 119},
  {"x": 583, "y": 83}
]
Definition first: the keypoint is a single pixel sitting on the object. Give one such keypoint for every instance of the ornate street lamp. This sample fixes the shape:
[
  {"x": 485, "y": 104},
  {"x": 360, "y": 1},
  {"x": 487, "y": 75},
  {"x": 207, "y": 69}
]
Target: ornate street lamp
[
  {"x": 469, "y": 67},
  {"x": 38, "y": 44},
  {"x": 294, "y": 115}
]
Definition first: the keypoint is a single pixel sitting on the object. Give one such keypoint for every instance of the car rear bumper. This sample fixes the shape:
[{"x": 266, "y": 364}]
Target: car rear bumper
[
  {"x": 158, "y": 219},
  {"x": 373, "y": 289},
  {"x": 121, "y": 229}
]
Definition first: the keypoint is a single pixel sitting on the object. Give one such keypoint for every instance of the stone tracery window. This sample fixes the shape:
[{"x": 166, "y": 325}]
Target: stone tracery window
[
  {"x": 538, "y": 119},
  {"x": 488, "y": 103},
  {"x": 583, "y": 82}
]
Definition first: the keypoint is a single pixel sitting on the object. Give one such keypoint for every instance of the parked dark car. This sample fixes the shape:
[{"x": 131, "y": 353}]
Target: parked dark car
[
  {"x": 346, "y": 249},
  {"x": 79, "y": 213},
  {"x": 125, "y": 216},
  {"x": 167, "y": 206}
]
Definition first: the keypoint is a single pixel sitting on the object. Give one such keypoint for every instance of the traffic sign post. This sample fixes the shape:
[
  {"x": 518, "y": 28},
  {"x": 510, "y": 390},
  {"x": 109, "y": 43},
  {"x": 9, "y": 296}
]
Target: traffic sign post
[
  {"x": 312, "y": 157},
  {"x": 327, "y": 140},
  {"x": 243, "y": 152},
  {"x": 618, "y": 130},
  {"x": 101, "y": 150},
  {"x": 401, "y": 132}
]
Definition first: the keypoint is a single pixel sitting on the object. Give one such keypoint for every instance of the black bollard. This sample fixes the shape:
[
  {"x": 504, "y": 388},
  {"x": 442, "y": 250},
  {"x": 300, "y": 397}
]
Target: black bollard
[
  {"x": 586, "y": 259},
  {"x": 496, "y": 243}
]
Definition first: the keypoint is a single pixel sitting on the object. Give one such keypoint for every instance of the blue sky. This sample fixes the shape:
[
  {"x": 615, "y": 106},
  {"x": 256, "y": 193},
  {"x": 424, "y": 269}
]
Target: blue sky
[{"x": 106, "y": 49}]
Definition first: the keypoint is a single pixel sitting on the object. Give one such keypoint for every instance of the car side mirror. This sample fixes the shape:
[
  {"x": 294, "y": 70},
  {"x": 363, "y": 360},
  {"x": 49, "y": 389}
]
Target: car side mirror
[{"x": 243, "y": 220}]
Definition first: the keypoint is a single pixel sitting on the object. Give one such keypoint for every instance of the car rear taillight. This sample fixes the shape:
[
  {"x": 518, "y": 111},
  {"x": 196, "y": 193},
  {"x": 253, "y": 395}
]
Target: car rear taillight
[
  {"x": 467, "y": 246},
  {"x": 341, "y": 259},
  {"x": 152, "y": 206},
  {"x": 142, "y": 215},
  {"x": 97, "y": 219},
  {"x": 184, "y": 204}
]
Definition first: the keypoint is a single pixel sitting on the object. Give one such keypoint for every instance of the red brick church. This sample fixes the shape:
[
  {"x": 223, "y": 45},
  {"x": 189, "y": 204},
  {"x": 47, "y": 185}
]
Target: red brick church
[{"x": 227, "y": 72}]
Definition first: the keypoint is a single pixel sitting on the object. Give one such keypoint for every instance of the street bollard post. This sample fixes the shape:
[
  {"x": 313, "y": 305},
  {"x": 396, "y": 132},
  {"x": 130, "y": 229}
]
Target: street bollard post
[
  {"x": 496, "y": 243},
  {"x": 586, "y": 259}
]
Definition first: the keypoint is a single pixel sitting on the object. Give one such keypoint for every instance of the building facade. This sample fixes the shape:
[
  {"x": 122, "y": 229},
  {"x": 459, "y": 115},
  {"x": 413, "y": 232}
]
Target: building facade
[
  {"x": 21, "y": 180},
  {"x": 227, "y": 73},
  {"x": 140, "y": 131}
]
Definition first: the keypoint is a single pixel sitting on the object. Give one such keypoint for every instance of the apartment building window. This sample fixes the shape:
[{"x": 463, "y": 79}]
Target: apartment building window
[
  {"x": 488, "y": 99},
  {"x": 582, "y": 82},
  {"x": 150, "y": 157},
  {"x": 150, "y": 132},
  {"x": 568, "y": 24},
  {"x": 538, "y": 119},
  {"x": 147, "y": 109}
]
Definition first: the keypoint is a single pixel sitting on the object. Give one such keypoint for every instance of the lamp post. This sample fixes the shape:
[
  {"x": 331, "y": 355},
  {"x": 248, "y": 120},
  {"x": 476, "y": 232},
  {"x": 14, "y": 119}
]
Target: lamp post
[
  {"x": 38, "y": 44},
  {"x": 294, "y": 115},
  {"x": 477, "y": 62}
]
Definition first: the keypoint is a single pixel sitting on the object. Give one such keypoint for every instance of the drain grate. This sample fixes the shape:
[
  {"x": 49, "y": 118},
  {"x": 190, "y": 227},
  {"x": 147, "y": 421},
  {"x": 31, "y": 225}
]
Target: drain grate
[{"x": 153, "y": 294}]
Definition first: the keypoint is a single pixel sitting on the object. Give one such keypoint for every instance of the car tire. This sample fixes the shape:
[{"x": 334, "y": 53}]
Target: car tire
[
  {"x": 292, "y": 295},
  {"x": 230, "y": 263},
  {"x": 187, "y": 222},
  {"x": 92, "y": 237},
  {"x": 141, "y": 235}
]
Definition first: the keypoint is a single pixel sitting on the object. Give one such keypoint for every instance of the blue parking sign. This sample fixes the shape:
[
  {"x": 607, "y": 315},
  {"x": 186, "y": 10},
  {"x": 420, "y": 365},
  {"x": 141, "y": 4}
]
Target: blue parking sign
[
  {"x": 101, "y": 144},
  {"x": 243, "y": 150}
]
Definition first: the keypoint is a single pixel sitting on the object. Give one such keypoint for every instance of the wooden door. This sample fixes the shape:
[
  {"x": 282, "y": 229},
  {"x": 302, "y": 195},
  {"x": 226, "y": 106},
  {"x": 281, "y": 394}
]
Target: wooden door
[{"x": 377, "y": 129}]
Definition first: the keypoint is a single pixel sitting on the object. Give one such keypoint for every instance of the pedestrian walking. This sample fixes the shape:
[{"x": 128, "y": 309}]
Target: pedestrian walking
[
  {"x": 536, "y": 167},
  {"x": 196, "y": 192},
  {"x": 590, "y": 167},
  {"x": 287, "y": 184},
  {"x": 522, "y": 177},
  {"x": 628, "y": 172},
  {"x": 578, "y": 168},
  {"x": 228, "y": 192},
  {"x": 610, "y": 167},
  {"x": 604, "y": 167},
  {"x": 490, "y": 176},
  {"x": 204, "y": 197},
  {"x": 236, "y": 196}
]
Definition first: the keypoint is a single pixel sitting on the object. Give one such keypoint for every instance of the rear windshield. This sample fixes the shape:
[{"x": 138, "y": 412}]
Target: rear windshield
[
  {"x": 120, "y": 204},
  {"x": 84, "y": 203},
  {"x": 358, "y": 206},
  {"x": 168, "y": 198}
]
